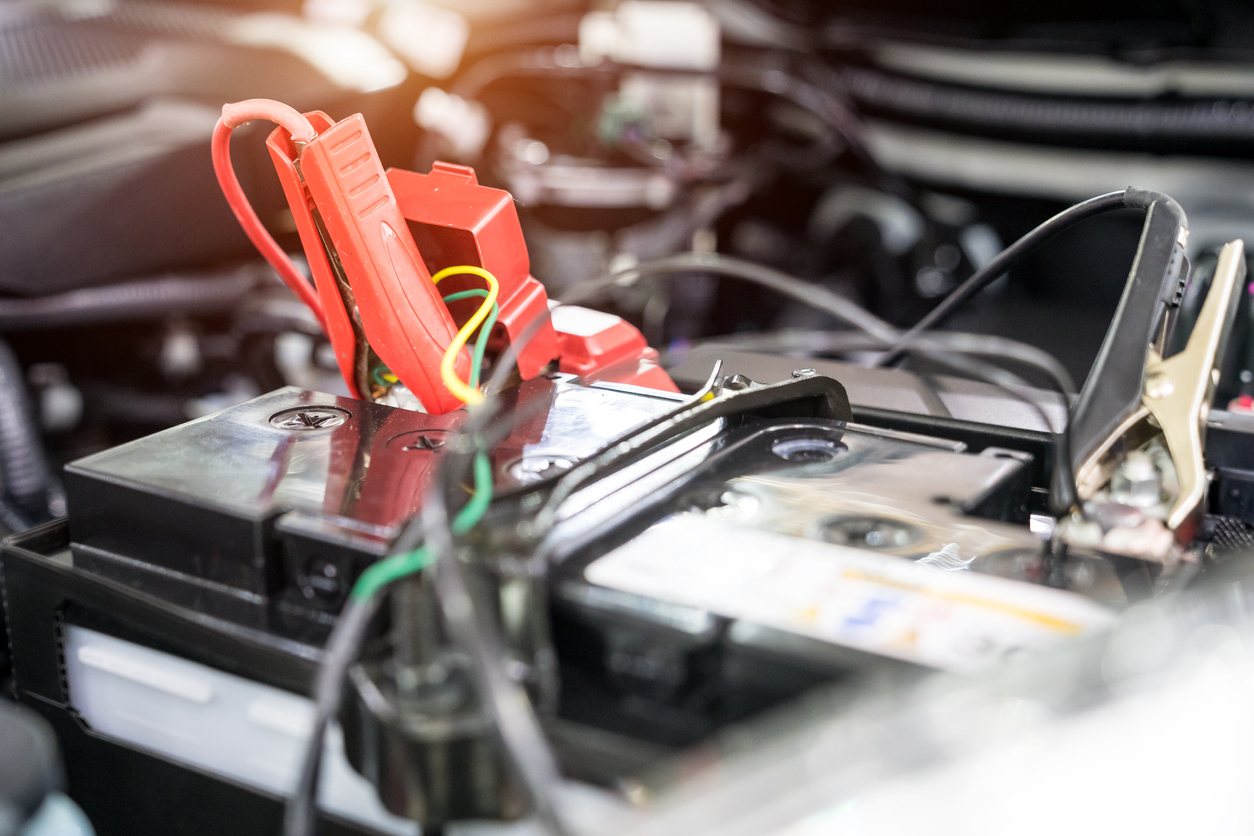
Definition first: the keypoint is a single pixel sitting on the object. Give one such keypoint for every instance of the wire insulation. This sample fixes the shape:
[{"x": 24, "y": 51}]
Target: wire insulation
[
  {"x": 481, "y": 342},
  {"x": 348, "y": 636},
  {"x": 992, "y": 271},
  {"x": 391, "y": 569},
  {"x": 234, "y": 115},
  {"x": 467, "y": 394}
]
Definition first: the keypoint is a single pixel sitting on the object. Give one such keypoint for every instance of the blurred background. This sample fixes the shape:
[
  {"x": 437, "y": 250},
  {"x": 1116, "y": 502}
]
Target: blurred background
[{"x": 880, "y": 149}]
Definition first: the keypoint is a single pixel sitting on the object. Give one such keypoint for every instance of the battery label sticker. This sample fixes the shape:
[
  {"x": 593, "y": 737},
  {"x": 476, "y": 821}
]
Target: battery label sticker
[{"x": 881, "y": 604}]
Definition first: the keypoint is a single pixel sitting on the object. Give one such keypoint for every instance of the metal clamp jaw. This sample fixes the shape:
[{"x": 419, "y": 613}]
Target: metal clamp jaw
[{"x": 1170, "y": 416}]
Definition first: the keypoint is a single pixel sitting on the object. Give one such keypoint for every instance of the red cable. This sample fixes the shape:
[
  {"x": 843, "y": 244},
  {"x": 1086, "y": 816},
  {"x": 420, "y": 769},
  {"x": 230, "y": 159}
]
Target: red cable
[{"x": 234, "y": 115}]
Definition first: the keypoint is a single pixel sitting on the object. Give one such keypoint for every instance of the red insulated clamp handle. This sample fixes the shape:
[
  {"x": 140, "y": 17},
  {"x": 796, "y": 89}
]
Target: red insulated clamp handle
[{"x": 404, "y": 317}]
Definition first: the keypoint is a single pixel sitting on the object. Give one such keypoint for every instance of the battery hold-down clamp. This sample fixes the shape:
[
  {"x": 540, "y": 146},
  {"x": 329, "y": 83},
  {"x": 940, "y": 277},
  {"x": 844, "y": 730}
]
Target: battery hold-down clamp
[{"x": 374, "y": 239}]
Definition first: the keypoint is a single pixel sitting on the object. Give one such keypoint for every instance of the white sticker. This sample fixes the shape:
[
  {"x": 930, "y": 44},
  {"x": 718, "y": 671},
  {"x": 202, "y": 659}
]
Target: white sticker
[
  {"x": 582, "y": 322},
  {"x": 138, "y": 669},
  {"x": 877, "y": 603}
]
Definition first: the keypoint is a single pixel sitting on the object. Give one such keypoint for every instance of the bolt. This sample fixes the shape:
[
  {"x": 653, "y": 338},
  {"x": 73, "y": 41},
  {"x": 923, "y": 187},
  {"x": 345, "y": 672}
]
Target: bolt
[
  {"x": 800, "y": 373},
  {"x": 1137, "y": 481},
  {"x": 309, "y": 418},
  {"x": 421, "y": 441}
]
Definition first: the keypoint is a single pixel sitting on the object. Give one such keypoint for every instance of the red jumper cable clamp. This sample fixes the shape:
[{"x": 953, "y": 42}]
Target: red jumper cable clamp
[
  {"x": 373, "y": 239},
  {"x": 376, "y": 293}
]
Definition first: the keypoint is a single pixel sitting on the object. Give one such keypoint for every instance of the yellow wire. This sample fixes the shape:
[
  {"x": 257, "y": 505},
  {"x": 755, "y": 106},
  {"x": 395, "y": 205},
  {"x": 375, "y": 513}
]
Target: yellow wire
[{"x": 460, "y": 389}]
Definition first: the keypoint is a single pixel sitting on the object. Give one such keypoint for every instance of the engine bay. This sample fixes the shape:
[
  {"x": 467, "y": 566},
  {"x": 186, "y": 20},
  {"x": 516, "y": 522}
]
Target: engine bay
[{"x": 623, "y": 418}]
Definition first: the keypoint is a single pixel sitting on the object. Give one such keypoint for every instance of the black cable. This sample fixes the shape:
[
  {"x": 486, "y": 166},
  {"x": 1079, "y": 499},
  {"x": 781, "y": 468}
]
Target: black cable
[
  {"x": 820, "y": 298},
  {"x": 185, "y": 293},
  {"x": 1063, "y": 492},
  {"x": 300, "y": 813},
  {"x": 1063, "y": 488},
  {"x": 992, "y": 271},
  {"x": 541, "y": 61},
  {"x": 828, "y": 105},
  {"x": 517, "y": 724},
  {"x": 782, "y": 283},
  {"x": 506, "y": 700},
  {"x": 821, "y": 343}
]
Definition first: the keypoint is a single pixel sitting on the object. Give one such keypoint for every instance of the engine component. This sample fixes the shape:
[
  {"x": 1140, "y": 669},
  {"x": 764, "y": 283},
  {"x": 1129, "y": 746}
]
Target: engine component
[
  {"x": 352, "y": 606},
  {"x": 248, "y": 529},
  {"x": 220, "y": 551}
]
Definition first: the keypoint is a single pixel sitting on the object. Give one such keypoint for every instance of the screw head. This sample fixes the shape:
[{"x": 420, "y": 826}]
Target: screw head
[
  {"x": 306, "y": 418},
  {"x": 1137, "y": 481},
  {"x": 800, "y": 373},
  {"x": 420, "y": 441}
]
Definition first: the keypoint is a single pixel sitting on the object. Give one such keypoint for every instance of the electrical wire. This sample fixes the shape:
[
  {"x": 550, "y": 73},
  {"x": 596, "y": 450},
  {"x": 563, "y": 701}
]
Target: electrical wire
[
  {"x": 481, "y": 343},
  {"x": 505, "y": 699},
  {"x": 391, "y": 569},
  {"x": 346, "y": 638},
  {"x": 350, "y": 629},
  {"x": 721, "y": 265},
  {"x": 1063, "y": 479},
  {"x": 818, "y": 343},
  {"x": 349, "y": 634},
  {"x": 515, "y": 720},
  {"x": 383, "y": 377},
  {"x": 466, "y": 394},
  {"x": 818, "y": 95},
  {"x": 302, "y": 132},
  {"x": 992, "y": 271}
]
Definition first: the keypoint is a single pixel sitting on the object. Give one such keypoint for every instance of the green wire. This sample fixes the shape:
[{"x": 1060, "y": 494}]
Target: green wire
[
  {"x": 485, "y": 330},
  {"x": 393, "y": 568},
  {"x": 481, "y": 344}
]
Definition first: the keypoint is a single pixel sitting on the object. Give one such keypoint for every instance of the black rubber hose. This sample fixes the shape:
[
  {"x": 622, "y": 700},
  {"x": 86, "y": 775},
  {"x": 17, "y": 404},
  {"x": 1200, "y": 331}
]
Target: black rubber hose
[
  {"x": 23, "y": 465},
  {"x": 1032, "y": 115},
  {"x": 183, "y": 294}
]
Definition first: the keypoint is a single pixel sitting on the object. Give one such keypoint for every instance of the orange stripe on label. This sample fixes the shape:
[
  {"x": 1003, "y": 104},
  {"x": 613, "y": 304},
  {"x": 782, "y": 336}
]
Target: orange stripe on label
[{"x": 1061, "y": 625}]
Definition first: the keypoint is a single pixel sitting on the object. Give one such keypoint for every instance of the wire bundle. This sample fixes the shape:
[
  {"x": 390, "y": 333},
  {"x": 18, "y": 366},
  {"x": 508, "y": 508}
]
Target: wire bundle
[{"x": 506, "y": 701}]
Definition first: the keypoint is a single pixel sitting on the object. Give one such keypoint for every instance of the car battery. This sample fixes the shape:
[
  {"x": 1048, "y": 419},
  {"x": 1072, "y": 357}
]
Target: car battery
[
  {"x": 170, "y": 628},
  {"x": 790, "y": 553}
]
